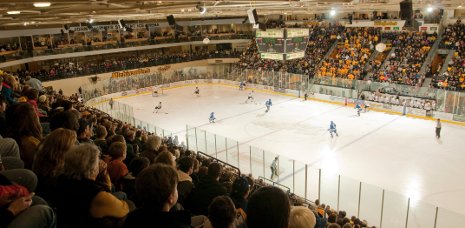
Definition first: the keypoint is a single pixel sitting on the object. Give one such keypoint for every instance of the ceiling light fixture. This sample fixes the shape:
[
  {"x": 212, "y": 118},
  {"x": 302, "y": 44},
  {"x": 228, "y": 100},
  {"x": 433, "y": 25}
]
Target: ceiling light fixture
[
  {"x": 202, "y": 9},
  {"x": 91, "y": 21},
  {"x": 332, "y": 13},
  {"x": 13, "y": 12},
  {"x": 429, "y": 9},
  {"x": 42, "y": 4}
]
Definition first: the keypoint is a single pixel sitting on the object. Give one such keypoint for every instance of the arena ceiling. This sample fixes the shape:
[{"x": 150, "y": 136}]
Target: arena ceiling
[{"x": 80, "y": 11}]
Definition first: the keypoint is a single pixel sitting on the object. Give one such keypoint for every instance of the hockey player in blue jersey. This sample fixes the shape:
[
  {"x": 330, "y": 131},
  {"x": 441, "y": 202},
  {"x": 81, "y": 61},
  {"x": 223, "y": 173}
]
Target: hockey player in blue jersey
[
  {"x": 212, "y": 117},
  {"x": 332, "y": 129},
  {"x": 241, "y": 86},
  {"x": 268, "y": 104},
  {"x": 359, "y": 108}
]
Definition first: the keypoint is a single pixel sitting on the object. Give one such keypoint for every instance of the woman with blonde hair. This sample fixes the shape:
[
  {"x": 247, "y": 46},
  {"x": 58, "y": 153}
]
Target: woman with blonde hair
[
  {"x": 50, "y": 159},
  {"x": 301, "y": 217}
]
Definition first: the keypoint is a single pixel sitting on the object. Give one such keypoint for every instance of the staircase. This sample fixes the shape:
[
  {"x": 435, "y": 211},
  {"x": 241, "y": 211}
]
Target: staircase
[
  {"x": 431, "y": 54},
  {"x": 393, "y": 49},
  {"x": 373, "y": 55},
  {"x": 450, "y": 55},
  {"x": 329, "y": 52}
]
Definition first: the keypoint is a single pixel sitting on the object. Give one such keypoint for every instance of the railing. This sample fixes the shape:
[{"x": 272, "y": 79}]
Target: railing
[
  {"x": 62, "y": 49},
  {"x": 61, "y": 74}
]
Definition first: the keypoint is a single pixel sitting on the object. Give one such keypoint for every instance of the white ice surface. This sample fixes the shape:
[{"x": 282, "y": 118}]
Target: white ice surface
[{"x": 396, "y": 153}]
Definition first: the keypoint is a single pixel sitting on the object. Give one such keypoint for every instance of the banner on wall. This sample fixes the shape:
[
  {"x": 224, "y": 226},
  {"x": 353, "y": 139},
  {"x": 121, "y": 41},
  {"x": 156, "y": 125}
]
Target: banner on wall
[
  {"x": 390, "y": 24},
  {"x": 128, "y": 73}
]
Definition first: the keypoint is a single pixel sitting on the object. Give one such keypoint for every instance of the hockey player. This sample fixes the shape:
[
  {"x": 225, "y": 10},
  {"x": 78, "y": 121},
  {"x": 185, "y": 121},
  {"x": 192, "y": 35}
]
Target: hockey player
[
  {"x": 332, "y": 129},
  {"x": 305, "y": 96},
  {"x": 241, "y": 85},
  {"x": 250, "y": 97},
  {"x": 212, "y": 117},
  {"x": 111, "y": 103},
  {"x": 268, "y": 104},
  {"x": 197, "y": 91},
  {"x": 359, "y": 108},
  {"x": 367, "y": 106},
  {"x": 157, "y": 108}
]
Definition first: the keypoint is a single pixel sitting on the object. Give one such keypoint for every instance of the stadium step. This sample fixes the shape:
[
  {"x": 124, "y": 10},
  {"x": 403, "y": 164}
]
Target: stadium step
[{"x": 445, "y": 65}]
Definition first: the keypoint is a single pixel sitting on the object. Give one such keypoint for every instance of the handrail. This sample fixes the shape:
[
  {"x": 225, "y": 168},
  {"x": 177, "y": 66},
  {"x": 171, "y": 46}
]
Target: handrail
[
  {"x": 276, "y": 183},
  {"x": 219, "y": 161}
]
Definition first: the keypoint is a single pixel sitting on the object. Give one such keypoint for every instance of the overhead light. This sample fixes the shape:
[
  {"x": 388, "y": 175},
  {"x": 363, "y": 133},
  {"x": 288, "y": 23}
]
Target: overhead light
[
  {"x": 332, "y": 13},
  {"x": 13, "y": 12},
  {"x": 91, "y": 20},
  {"x": 460, "y": 6},
  {"x": 202, "y": 9},
  {"x": 429, "y": 9},
  {"x": 42, "y": 4}
]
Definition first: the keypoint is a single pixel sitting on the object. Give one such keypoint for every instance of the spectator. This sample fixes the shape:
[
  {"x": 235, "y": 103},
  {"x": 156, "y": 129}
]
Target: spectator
[
  {"x": 100, "y": 141},
  {"x": 185, "y": 185},
  {"x": 301, "y": 217},
  {"x": 64, "y": 119},
  {"x": 135, "y": 167},
  {"x": 240, "y": 193},
  {"x": 151, "y": 148},
  {"x": 49, "y": 161},
  {"x": 34, "y": 83},
  {"x": 16, "y": 209},
  {"x": 80, "y": 200},
  {"x": 222, "y": 212},
  {"x": 264, "y": 212},
  {"x": 9, "y": 86},
  {"x": 207, "y": 189},
  {"x": 116, "y": 168},
  {"x": 85, "y": 131},
  {"x": 166, "y": 158},
  {"x": 25, "y": 128},
  {"x": 157, "y": 188},
  {"x": 129, "y": 149}
]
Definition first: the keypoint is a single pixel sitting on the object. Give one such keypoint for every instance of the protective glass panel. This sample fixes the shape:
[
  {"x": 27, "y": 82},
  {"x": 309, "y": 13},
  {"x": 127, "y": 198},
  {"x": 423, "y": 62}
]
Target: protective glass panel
[
  {"x": 370, "y": 204},
  {"x": 329, "y": 188},
  {"x": 395, "y": 210},
  {"x": 349, "y": 194}
]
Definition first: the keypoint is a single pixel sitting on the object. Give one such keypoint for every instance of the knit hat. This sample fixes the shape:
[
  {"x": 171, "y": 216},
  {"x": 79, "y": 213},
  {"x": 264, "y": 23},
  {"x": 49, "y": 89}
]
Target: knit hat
[
  {"x": 240, "y": 186},
  {"x": 42, "y": 98}
]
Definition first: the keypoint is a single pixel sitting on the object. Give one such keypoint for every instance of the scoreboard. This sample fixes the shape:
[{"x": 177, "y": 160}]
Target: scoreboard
[
  {"x": 282, "y": 44},
  {"x": 272, "y": 45}
]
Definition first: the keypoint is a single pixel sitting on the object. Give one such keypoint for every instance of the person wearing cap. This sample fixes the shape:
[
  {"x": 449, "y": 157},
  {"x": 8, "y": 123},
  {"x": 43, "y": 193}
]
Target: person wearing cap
[{"x": 240, "y": 192}]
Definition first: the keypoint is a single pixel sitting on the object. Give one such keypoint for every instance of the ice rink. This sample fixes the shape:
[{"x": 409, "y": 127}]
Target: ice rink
[{"x": 393, "y": 152}]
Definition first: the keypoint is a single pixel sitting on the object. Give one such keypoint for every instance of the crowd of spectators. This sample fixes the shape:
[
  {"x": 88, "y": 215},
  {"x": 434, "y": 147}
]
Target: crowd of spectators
[
  {"x": 350, "y": 60},
  {"x": 321, "y": 38},
  {"x": 68, "y": 165},
  {"x": 9, "y": 47},
  {"x": 354, "y": 48},
  {"x": 65, "y": 68},
  {"x": 454, "y": 76},
  {"x": 404, "y": 64}
]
